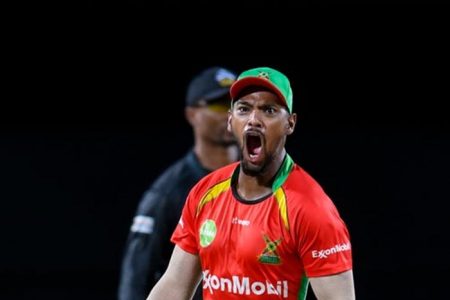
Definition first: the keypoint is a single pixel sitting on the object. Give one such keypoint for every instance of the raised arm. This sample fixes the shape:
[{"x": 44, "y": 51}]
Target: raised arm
[
  {"x": 180, "y": 279},
  {"x": 334, "y": 287}
]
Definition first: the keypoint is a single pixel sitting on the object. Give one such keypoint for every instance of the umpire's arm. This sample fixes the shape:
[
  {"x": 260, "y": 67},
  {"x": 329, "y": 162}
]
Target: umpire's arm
[{"x": 140, "y": 269}]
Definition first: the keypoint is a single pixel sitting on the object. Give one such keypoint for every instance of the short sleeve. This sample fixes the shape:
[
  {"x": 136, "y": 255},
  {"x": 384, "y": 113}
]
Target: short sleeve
[
  {"x": 184, "y": 234},
  {"x": 324, "y": 245}
]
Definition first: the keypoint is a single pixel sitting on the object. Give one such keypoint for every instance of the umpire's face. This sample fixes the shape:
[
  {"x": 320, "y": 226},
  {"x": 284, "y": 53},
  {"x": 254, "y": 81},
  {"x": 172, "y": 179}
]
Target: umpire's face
[{"x": 209, "y": 121}]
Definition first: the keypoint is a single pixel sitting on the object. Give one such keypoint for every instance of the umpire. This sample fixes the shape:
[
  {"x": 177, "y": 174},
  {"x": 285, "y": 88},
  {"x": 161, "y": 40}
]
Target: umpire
[{"x": 148, "y": 247}]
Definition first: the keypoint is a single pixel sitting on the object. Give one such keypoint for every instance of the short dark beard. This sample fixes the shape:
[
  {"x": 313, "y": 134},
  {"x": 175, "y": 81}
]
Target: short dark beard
[{"x": 256, "y": 170}]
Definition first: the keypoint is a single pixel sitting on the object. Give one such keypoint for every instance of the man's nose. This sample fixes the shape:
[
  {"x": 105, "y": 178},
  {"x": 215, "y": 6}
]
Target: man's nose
[{"x": 254, "y": 119}]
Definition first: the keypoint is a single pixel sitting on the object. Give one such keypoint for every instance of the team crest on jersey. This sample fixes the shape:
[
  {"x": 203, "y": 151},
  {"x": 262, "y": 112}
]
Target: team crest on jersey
[
  {"x": 269, "y": 254},
  {"x": 207, "y": 232}
]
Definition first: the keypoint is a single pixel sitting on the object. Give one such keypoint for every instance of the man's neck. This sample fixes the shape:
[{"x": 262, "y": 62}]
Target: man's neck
[
  {"x": 255, "y": 187},
  {"x": 213, "y": 156}
]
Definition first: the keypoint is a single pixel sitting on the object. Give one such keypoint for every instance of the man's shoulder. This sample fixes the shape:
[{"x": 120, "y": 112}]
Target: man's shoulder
[
  {"x": 301, "y": 184},
  {"x": 305, "y": 194},
  {"x": 299, "y": 179},
  {"x": 177, "y": 178},
  {"x": 222, "y": 173},
  {"x": 185, "y": 168},
  {"x": 172, "y": 185},
  {"x": 177, "y": 167},
  {"x": 216, "y": 177}
]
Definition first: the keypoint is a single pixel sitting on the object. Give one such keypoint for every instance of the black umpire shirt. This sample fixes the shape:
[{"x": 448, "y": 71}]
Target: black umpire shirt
[{"x": 148, "y": 248}]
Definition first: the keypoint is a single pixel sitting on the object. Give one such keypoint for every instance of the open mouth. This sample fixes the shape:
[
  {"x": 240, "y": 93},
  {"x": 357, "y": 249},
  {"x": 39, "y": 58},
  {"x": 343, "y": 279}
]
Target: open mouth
[{"x": 253, "y": 145}]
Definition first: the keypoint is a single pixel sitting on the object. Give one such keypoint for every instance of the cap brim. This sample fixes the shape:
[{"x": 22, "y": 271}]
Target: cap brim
[
  {"x": 241, "y": 84},
  {"x": 216, "y": 94}
]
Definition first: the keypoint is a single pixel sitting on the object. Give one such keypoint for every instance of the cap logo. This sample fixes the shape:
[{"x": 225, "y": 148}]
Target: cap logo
[
  {"x": 264, "y": 75},
  {"x": 225, "y": 78}
]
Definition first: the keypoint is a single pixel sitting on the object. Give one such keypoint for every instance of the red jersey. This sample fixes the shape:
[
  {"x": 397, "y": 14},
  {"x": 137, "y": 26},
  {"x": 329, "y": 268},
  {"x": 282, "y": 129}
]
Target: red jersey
[{"x": 265, "y": 248}]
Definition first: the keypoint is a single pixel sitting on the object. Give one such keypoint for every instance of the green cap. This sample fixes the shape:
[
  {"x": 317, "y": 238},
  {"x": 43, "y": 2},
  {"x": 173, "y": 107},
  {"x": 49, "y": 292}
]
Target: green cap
[{"x": 265, "y": 77}]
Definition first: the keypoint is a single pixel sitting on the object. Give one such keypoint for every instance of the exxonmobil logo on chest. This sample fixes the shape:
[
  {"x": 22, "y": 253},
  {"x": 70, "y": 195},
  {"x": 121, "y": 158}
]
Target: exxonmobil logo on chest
[{"x": 243, "y": 285}]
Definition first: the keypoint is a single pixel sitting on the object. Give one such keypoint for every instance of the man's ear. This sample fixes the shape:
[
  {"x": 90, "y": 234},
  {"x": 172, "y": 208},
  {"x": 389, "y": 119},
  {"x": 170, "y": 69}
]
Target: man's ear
[
  {"x": 229, "y": 122},
  {"x": 189, "y": 114},
  {"x": 290, "y": 126}
]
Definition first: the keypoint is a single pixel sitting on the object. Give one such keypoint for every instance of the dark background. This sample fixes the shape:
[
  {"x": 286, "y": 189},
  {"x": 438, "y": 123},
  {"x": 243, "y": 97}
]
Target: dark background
[{"x": 94, "y": 111}]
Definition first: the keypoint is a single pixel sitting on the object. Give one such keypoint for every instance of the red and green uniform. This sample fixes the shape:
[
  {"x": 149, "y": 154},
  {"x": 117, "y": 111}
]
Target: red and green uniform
[{"x": 263, "y": 249}]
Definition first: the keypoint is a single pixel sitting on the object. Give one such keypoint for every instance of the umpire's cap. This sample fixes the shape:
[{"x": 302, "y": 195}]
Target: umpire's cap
[{"x": 210, "y": 84}]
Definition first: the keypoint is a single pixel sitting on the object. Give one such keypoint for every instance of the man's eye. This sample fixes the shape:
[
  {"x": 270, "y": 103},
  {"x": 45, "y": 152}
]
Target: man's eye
[{"x": 270, "y": 110}]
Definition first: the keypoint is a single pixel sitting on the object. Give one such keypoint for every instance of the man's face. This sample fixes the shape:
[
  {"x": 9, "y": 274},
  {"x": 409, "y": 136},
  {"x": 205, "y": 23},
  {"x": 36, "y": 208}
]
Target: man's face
[
  {"x": 260, "y": 124},
  {"x": 211, "y": 121}
]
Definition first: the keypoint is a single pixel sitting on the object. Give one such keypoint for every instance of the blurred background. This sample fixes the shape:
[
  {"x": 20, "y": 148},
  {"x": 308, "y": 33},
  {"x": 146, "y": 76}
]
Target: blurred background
[{"x": 93, "y": 112}]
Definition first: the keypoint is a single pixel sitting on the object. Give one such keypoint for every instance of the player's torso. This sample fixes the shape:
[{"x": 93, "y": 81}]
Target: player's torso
[{"x": 247, "y": 250}]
